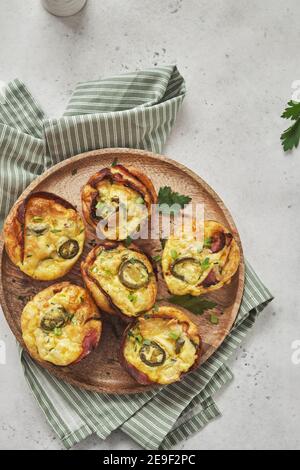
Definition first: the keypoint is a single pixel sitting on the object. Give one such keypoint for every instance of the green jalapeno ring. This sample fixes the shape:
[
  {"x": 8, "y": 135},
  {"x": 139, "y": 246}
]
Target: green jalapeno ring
[
  {"x": 55, "y": 318},
  {"x": 133, "y": 274},
  {"x": 179, "y": 344},
  {"x": 69, "y": 249},
  {"x": 179, "y": 262},
  {"x": 152, "y": 354}
]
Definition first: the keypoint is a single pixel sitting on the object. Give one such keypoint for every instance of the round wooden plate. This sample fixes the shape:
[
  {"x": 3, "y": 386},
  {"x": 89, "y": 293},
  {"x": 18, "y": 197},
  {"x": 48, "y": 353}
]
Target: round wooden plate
[{"x": 101, "y": 370}]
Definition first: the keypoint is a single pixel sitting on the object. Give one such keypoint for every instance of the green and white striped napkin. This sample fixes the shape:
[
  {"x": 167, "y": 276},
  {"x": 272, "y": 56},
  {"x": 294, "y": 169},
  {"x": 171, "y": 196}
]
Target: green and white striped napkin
[{"x": 134, "y": 110}]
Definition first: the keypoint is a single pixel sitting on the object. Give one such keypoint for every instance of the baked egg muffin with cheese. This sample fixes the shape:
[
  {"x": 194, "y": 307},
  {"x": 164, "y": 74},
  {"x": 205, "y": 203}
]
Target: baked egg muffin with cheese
[
  {"x": 193, "y": 266},
  {"x": 117, "y": 200},
  {"x": 44, "y": 236},
  {"x": 61, "y": 324},
  {"x": 161, "y": 346},
  {"x": 120, "y": 278}
]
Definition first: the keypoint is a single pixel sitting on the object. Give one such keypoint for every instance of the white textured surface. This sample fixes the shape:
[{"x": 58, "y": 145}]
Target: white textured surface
[{"x": 239, "y": 59}]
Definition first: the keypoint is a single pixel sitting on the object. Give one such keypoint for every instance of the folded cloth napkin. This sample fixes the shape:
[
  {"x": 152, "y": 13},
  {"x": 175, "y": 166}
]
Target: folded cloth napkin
[{"x": 134, "y": 110}]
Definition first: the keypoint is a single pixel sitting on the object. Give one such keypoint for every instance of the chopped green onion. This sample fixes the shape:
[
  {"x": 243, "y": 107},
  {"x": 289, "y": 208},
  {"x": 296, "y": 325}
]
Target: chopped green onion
[
  {"x": 140, "y": 200},
  {"x": 207, "y": 242},
  {"x": 139, "y": 338},
  {"x": 174, "y": 335},
  {"x": 107, "y": 271},
  {"x": 205, "y": 264},
  {"x": 214, "y": 319},
  {"x": 132, "y": 297}
]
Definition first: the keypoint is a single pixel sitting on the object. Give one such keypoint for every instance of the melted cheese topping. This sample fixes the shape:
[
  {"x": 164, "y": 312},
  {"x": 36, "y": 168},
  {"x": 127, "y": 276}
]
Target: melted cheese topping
[
  {"x": 105, "y": 270},
  {"x": 63, "y": 345},
  {"x": 165, "y": 333},
  {"x": 189, "y": 246},
  {"x": 47, "y": 226},
  {"x": 122, "y": 207}
]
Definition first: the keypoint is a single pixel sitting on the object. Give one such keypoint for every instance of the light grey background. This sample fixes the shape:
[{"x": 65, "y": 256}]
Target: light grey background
[{"x": 239, "y": 59}]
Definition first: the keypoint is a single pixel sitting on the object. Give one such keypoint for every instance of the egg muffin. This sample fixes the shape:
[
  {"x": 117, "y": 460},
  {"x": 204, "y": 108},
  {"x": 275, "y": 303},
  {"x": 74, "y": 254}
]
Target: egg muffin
[
  {"x": 44, "y": 236},
  {"x": 121, "y": 279},
  {"x": 117, "y": 200},
  {"x": 161, "y": 346},
  {"x": 61, "y": 324},
  {"x": 193, "y": 266}
]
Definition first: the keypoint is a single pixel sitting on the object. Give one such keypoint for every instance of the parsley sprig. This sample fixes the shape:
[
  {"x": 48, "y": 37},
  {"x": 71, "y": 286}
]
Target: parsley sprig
[
  {"x": 291, "y": 136},
  {"x": 196, "y": 305},
  {"x": 171, "y": 202}
]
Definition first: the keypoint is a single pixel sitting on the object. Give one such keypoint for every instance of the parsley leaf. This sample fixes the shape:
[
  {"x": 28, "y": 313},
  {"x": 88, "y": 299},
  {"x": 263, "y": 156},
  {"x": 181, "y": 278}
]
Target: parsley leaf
[
  {"x": 194, "y": 304},
  {"x": 167, "y": 198},
  {"x": 291, "y": 136},
  {"x": 114, "y": 162},
  {"x": 128, "y": 241},
  {"x": 156, "y": 258},
  {"x": 292, "y": 111}
]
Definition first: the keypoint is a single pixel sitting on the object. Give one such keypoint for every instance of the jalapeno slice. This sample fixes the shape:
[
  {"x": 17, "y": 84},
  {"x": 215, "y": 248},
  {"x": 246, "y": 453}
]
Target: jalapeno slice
[
  {"x": 187, "y": 269},
  {"x": 54, "y": 318},
  {"x": 179, "y": 345},
  {"x": 133, "y": 274},
  {"x": 69, "y": 249},
  {"x": 152, "y": 354}
]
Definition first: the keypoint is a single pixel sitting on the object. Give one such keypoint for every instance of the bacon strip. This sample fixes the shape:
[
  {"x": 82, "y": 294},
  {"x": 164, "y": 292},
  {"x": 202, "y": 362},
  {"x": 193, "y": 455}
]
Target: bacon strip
[
  {"x": 211, "y": 279},
  {"x": 218, "y": 242},
  {"x": 229, "y": 238},
  {"x": 89, "y": 343}
]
